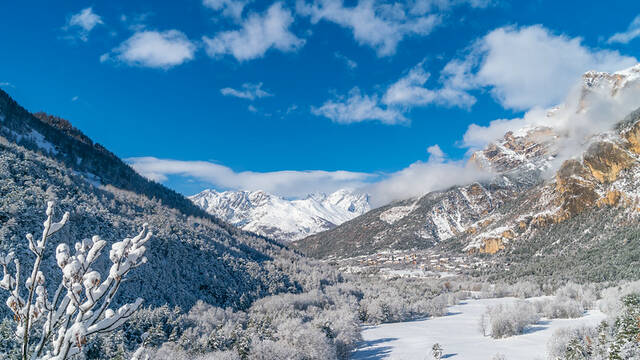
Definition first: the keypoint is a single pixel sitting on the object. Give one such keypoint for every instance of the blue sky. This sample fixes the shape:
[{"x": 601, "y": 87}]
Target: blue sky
[{"x": 302, "y": 96}]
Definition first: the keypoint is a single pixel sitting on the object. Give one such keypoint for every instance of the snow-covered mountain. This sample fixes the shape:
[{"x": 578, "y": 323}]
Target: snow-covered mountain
[
  {"x": 576, "y": 166},
  {"x": 289, "y": 220}
]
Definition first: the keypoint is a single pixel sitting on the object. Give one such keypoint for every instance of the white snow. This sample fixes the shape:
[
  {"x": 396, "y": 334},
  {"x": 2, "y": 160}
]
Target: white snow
[
  {"x": 459, "y": 335},
  {"x": 38, "y": 139},
  {"x": 274, "y": 216},
  {"x": 444, "y": 227},
  {"x": 396, "y": 213}
]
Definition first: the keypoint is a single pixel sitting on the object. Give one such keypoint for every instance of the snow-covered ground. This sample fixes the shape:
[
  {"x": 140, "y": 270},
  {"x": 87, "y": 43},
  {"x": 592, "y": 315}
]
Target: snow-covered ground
[{"x": 459, "y": 335}]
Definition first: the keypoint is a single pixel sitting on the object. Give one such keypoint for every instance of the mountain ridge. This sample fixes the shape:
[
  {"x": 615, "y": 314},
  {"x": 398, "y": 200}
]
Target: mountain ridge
[
  {"x": 192, "y": 255},
  {"x": 546, "y": 173},
  {"x": 287, "y": 220}
]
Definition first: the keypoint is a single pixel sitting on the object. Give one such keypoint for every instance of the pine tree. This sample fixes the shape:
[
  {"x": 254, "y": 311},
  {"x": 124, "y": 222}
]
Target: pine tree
[{"x": 575, "y": 350}]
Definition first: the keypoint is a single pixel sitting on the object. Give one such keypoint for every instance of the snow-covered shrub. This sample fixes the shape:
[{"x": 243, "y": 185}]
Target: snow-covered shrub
[
  {"x": 559, "y": 307},
  {"x": 616, "y": 338},
  {"x": 80, "y": 306},
  {"x": 525, "y": 289},
  {"x": 586, "y": 295},
  {"x": 268, "y": 349},
  {"x": 570, "y": 339},
  {"x": 172, "y": 352},
  {"x": 611, "y": 302},
  {"x": 506, "y": 320}
]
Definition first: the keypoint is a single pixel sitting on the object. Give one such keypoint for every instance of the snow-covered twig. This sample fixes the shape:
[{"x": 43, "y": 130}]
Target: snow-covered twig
[{"x": 80, "y": 305}]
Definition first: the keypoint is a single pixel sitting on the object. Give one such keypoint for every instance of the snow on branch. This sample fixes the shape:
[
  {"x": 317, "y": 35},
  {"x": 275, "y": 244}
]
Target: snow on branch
[{"x": 80, "y": 306}]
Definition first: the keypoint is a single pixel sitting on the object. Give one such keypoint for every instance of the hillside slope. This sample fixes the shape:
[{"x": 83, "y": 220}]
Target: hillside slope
[
  {"x": 564, "y": 191},
  {"x": 192, "y": 255}
]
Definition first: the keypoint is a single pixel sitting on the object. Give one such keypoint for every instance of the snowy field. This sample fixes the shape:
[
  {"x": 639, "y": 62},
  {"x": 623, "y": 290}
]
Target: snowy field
[{"x": 459, "y": 335}]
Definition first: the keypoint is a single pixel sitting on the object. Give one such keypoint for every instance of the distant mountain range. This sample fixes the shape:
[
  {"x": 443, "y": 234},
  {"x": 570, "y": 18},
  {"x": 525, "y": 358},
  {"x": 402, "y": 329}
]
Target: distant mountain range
[
  {"x": 282, "y": 219},
  {"x": 564, "y": 196}
]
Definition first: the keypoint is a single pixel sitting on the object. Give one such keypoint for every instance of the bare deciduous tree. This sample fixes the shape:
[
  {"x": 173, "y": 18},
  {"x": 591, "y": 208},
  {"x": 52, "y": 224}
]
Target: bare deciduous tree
[{"x": 83, "y": 310}]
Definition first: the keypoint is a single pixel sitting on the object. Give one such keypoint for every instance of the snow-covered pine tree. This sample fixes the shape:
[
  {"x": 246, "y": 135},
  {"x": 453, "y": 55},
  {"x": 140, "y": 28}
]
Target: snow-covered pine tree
[{"x": 80, "y": 306}]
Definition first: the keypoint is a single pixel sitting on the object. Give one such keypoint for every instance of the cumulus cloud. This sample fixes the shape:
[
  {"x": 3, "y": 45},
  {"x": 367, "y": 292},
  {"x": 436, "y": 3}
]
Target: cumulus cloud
[
  {"x": 284, "y": 183},
  {"x": 249, "y": 91},
  {"x": 529, "y": 66},
  {"x": 380, "y": 26},
  {"x": 154, "y": 49},
  {"x": 400, "y": 97},
  {"x": 356, "y": 107},
  {"x": 422, "y": 177},
  {"x": 633, "y": 31},
  {"x": 417, "y": 179},
  {"x": 581, "y": 116},
  {"x": 575, "y": 121},
  {"x": 410, "y": 91},
  {"x": 258, "y": 34},
  {"x": 83, "y": 22},
  {"x": 228, "y": 8}
]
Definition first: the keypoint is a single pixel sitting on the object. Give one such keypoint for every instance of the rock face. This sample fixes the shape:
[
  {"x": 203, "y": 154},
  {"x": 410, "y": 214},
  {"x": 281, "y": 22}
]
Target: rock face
[
  {"x": 533, "y": 189},
  {"x": 279, "y": 218}
]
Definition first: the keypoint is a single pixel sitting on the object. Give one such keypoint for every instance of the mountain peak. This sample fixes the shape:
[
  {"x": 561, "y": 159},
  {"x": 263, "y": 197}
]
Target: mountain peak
[{"x": 274, "y": 216}]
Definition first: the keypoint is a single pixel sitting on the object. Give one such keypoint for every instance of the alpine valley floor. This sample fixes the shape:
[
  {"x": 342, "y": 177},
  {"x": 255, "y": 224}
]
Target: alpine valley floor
[{"x": 459, "y": 335}]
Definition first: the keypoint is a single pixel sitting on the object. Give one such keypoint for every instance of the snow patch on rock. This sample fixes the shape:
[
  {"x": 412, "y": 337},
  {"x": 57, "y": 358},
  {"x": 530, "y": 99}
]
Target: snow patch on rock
[{"x": 397, "y": 213}]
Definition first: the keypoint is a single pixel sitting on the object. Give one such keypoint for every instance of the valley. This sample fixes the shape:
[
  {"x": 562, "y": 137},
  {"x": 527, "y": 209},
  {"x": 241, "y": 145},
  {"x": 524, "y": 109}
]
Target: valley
[
  {"x": 458, "y": 335},
  {"x": 451, "y": 180}
]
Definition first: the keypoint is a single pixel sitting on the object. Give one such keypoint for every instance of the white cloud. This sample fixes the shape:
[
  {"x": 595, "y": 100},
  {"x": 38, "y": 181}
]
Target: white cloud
[
  {"x": 252, "y": 109},
  {"x": 136, "y": 22},
  {"x": 6, "y": 84},
  {"x": 435, "y": 152},
  {"x": 410, "y": 91},
  {"x": 347, "y": 61},
  {"x": 357, "y": 107},
  {"x": 380, "y": 26},
  {"x": 580, "y": 116},
  {"x": 84, "y": 22},
  {"x": 427, "y": 6},
  {"x": 249, "y": 91},
  {"x": 633, "y": 32},
  {"x": 528, "y": 66},
  {"x": 258, "y": 34},
  {"x": 407, "y": 92},
  {"x": 573, "y": 123},
  {"x": 284, "y": 183},
  {"x": 419, "y": 178},
  {"x": 229, "y": 8},
  {"x": 154, "y": 49},
  {"x": 75, "y": 98}
]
